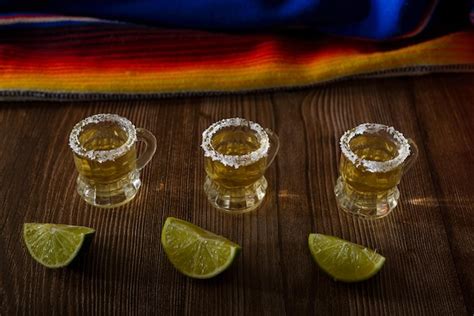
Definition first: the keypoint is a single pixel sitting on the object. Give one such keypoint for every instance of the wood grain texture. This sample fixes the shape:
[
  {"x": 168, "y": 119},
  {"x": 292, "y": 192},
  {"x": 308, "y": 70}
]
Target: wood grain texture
[{"x": 428, "y": 240}]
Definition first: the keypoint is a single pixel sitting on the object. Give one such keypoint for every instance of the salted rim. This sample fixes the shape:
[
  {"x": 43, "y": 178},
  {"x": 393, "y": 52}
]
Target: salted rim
[
  {"x": 235, "y": 161},
  {"x": 371, "y": 165},
  {"x": 102, "y": 155}
]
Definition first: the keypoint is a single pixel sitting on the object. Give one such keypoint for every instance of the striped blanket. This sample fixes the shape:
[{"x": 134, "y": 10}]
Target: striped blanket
[{"x": 60, "y": 57}]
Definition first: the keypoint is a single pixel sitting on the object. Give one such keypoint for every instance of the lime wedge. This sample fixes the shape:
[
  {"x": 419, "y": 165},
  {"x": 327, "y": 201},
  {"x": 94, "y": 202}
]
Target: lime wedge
[
  {"x": 196, "y": 252},
  {"x": 343, "y": 260},
  {"x": 55, "y": 245}
]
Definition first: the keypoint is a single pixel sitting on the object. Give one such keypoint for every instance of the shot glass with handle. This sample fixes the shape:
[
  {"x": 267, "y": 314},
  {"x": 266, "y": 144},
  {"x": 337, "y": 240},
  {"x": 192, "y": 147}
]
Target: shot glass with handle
[
  {"x": 374, "y": 157},
  {"x": 105, "y": 155},
  {"x": 237, "y": 152}
]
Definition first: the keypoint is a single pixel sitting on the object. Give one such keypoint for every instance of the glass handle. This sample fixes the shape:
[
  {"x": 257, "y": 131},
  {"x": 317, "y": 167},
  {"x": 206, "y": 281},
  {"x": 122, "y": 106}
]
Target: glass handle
[
  {"x": 413, "y": 155},
  {"x": 274, "y": 146},
  {"x": 150, "y": 147}
]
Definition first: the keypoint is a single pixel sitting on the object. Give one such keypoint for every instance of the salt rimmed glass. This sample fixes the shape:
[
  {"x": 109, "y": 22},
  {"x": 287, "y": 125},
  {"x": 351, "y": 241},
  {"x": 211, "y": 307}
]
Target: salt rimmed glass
[
  {"x": 374, "y": 158},
  {"x": 105, "y": 155},
  {"x": 237, "y": 153}
]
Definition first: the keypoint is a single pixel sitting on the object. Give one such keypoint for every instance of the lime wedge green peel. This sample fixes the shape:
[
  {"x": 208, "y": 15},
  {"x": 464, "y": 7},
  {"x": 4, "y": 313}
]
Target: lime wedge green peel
[
  {"x": 55, "y": 245},
  {"x": 343, "y": 260},
  {"x": 196, "y": 252}
]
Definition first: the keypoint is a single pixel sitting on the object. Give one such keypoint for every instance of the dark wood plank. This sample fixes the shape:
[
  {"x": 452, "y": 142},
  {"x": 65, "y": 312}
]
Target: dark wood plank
[
  {"x": 447, "y": 128},
  {"x": 428, "y": 240},
  {"x": 327, "y": 114}
]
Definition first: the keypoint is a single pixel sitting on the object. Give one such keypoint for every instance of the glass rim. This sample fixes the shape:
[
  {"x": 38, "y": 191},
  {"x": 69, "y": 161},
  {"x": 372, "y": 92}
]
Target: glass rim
[
  {"x": 372, "y": 165},
  {"x": 102, "y": 155},
  {"x": 235, "y": 161}
]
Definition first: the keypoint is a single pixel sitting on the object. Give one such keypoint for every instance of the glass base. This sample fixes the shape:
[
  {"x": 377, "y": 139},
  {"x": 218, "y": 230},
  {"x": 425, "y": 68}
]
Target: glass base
[
  {"x": 236, "y": 200},
  {"x": 365, "y": 205},
  {"x": 110, "y": 195}
]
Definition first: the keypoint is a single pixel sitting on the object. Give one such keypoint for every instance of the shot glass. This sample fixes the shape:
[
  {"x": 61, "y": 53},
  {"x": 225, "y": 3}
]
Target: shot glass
[
  {"x": 374, "y": 157},
  {"x": 105, "y": 155},
  {"x": 237, "y": 153}
]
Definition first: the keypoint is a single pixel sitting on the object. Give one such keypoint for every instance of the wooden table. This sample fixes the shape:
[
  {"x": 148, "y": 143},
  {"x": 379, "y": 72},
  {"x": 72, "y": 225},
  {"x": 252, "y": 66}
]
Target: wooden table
[{"x": 428, "y": 240}]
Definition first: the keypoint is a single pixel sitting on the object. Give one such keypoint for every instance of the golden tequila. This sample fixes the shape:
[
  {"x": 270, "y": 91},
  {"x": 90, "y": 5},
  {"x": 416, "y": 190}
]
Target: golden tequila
[
  {"x": 235, "y": 143},
  {"x": 105, "y": 137},
  {"x": 372, "y": 148}
]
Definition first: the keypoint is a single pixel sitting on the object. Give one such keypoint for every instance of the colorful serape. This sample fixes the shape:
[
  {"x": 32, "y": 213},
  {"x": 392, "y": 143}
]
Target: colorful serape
[{"x": 85, "y": 58}]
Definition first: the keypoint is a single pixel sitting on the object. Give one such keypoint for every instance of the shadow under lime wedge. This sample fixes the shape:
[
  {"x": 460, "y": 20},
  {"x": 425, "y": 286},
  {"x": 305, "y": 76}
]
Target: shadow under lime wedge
[
  {"x": 343, "y": 260},
  {"x": 55, "y": 245},
  {"x": 196, "y": 252}
]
